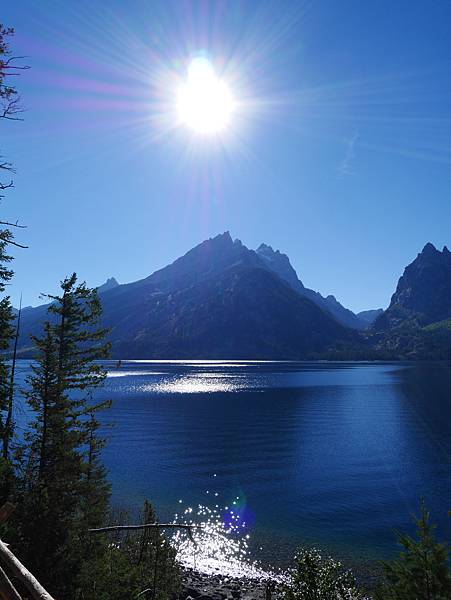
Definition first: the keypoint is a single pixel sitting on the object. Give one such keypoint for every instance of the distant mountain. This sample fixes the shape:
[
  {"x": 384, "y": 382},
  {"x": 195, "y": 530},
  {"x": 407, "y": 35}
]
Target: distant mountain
[
  {"x": 423, "y": 293},
  {"x": 24, "y": 309},
  {"x": 108, "y": 285},
  {"x": 280, "y": 264},
  {"x": 369, "y": 316},
  {"x": 223, "y": 300},
  {"x": 220, "y": 300},
  {"x": 417, "y": 324}
]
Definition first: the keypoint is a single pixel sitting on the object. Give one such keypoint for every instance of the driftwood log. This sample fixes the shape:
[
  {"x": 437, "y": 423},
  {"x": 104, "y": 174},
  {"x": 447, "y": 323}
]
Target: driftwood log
[
  {"x": 7, "y": 590},
  {"x": 22, "y": 574},
  {"x": 188, "y": 528},
  {"x": 29, "y": 581}
]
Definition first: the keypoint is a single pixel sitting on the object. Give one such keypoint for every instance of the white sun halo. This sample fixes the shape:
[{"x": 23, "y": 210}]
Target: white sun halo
[{"x": 204, "y": 102}]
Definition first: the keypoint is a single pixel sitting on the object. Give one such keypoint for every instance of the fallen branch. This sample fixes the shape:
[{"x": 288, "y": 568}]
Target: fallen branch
[
  {"x": 188, "y": 528},
  {"x": 7, "y": 590},
  {"x": 35, "y": 589}
]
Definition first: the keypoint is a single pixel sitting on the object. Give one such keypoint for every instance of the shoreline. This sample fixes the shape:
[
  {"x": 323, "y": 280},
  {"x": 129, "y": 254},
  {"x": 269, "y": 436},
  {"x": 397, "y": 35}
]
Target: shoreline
[{"x": 197, "y": 585}]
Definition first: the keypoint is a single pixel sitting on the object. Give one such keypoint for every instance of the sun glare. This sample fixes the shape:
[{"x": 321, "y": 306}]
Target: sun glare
[{"x": 204, "y": 102}]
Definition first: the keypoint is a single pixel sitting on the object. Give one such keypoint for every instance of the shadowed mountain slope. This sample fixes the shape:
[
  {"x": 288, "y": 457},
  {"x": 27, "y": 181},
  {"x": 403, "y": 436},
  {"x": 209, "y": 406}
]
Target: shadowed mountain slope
[
  {"x": 369, "y": 316},
  {"x": 280, "y": 264},
  {"x": 423, "y": 293},
  {"x": 417, "y": 324},
  {"x": 220, "y": 300}
]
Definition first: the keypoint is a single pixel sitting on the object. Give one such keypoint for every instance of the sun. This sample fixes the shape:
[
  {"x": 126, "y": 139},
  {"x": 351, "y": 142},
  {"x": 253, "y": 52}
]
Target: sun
[{"x": 204, "y": 102}]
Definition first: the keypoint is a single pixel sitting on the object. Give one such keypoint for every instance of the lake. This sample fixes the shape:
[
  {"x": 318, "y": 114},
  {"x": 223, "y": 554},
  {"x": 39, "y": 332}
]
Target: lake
[{"x": 332, "y": 454}]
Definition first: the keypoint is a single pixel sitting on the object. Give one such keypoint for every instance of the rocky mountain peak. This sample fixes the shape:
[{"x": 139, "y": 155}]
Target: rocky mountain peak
[
  {"x": 423, "y": 292},
  {"x": 265, "y": 248},
  {"x": 223, "y": 237},
  {"x": 429, "y": 250},
  {"x": 208, "y": 259},
  {"x": 280, "y": 264},
  {"x": 109, "y": 284}
]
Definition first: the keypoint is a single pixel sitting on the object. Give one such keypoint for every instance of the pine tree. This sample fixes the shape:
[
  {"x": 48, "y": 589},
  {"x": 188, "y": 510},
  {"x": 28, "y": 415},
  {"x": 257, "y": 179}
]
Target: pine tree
[
  {"x": 63, "y": 484},
  {"x": 422, "y": 571},
  {"x": 95, "y": 489},
  {"x": 9, "y": 109},
  {"x": 6, "y": 333},
  {"x": 6, "y": 273}
]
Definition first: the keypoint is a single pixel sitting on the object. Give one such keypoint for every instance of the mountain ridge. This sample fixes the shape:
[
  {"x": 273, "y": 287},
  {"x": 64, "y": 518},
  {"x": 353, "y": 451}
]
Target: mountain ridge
[
  {"x": 202, "y": 305},
  {"x": 224, "y": 300},
  {"x": 423, "y": 292},
  {"x": 280, "y": 263}
]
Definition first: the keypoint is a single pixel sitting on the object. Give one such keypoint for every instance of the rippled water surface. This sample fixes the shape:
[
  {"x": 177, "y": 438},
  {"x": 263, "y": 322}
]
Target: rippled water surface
[{"x": 335, "y": 454}]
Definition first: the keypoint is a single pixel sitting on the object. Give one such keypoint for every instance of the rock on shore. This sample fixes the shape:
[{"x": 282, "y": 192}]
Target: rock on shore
[{"x": 198, "y": 586}]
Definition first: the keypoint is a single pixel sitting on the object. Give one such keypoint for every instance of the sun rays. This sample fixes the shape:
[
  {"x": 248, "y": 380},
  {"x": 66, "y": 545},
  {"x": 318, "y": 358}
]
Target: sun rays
[{"x": 120, "y": 78}]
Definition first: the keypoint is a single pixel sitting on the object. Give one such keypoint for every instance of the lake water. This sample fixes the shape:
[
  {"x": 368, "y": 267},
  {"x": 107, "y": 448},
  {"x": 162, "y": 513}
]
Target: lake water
[{"x": 332, "y": 454}]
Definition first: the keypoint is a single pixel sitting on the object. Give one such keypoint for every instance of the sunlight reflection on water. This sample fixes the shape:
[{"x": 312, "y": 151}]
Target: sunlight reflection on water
[
  {"x": 332, "y": 455},
  {"x": 219, "y": 544},
  {"x": 196, "y": 384},
  {"x": 111, "y": 374}
]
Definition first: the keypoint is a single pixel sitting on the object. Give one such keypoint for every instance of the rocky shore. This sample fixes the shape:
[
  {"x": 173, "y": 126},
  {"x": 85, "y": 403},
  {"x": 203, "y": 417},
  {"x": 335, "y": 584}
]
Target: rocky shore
[{"x": 198, "y": 586}]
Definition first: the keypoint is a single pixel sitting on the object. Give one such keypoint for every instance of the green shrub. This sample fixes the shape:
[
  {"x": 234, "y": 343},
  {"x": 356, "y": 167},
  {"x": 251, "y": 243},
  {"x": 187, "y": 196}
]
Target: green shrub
[{"x": 316, "y": 578}]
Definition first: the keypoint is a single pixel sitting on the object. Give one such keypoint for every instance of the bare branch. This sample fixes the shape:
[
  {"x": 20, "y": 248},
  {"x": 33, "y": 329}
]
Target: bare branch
[
  {"x": 10, "y": 109},
  {"x": 145, "y": 526},
  {"x": 6, "y": 166},
  {"x": 188, "y": 528},
  {"x": 16, "y": 224},
  {"x": 35, "y": 589},
  {"x": 7, "y": 590},
  {"x": 12, "y": 243},
  {"x": 6, "y": 64}
]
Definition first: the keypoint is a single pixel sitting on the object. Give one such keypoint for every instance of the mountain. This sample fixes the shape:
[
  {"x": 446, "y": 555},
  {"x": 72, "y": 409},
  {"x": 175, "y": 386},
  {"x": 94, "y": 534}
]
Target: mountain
[
  {"x": 417, "y": 323},
  {"x": 423, "y": 293},
  {"x": 108, "y": 285},
  {"x": 219, "y": 300},
  {"x": 24, "y": 309},
  {"x": 223, "y": 300},
  {"x": 280, "y": 264},
  {"x": 369, "y": 316}
]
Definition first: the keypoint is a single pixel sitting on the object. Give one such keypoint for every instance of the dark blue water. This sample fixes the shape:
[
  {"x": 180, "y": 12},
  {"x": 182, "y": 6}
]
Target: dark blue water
[{"x": 332, "y": 454}]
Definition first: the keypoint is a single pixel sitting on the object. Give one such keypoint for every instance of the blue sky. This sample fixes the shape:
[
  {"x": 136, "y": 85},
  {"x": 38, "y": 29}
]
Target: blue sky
[{"x": 338, "y": 154}]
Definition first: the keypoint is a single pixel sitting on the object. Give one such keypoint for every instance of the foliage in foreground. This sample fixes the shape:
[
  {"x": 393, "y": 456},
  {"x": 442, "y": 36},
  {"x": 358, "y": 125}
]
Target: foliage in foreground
[
  {"x": 316, "y": 578},
  {"x": 421, "y": 572},
  {"x": 60, "y": 484},
  {"x": 55, "y": 475},
  {"x": 9, "y": 109},
  {"x": 131, "y": 563},
  {"x": 61, "y": 490}
]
